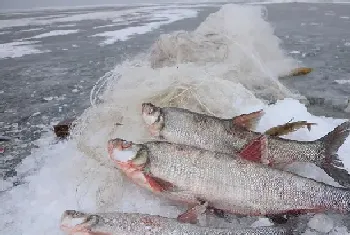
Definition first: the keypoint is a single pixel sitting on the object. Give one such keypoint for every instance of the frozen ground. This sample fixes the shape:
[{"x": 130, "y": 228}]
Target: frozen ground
[{"x": 234, "y": 63}]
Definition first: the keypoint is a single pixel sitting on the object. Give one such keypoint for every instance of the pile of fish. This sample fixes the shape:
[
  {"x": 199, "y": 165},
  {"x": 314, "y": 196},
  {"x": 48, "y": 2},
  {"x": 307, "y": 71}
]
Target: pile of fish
[{"x": 217, "y": 166}]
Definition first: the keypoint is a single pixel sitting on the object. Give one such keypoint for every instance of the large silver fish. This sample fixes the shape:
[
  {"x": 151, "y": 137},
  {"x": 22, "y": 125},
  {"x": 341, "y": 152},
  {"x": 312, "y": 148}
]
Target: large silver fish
[
  {"x": 226, "y": 182},
  {"x": 229, "y": 136},
  {"x": 79, "y": 223}
]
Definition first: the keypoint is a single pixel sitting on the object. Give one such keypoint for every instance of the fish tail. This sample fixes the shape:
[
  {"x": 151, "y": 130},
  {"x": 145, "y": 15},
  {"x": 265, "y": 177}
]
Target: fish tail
[
  {"x": 337, "y": 199},
  {"x": 332, "y": 165}
]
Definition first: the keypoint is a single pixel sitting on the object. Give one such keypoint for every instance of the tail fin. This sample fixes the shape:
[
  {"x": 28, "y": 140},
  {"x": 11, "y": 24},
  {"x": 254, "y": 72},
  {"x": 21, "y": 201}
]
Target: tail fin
[{"x": 332, "y": 165}]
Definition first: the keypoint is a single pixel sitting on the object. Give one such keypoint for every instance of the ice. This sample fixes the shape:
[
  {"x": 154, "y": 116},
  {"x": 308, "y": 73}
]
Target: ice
[
  {"x": 56, "y": 33},
  {"x": 18, "y": 49},
  {"x": 5, "y": 32},
  {"x": 339, "y": 231},
  {"x": 75, "y": 17},
  {"x": 124, "y": 34},
  {"x": 262, "y": 222},
  {"x": 342, "y": 82},
  {"x": 33, "y": 29},
  {"x": 66, "y": 25},
  {"x": 184, "y": 69},
  {"x": 106, "y": 26},
  {"x": 321, "y": 223},
  {"x": 309, "y": 232}
]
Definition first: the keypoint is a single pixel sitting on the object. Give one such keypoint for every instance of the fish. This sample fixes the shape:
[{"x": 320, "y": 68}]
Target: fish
[
  {"x": 75, "y": 222},
  {"x": 227, "y": 182},
  {"x": 182, "y": 126},
  {"x": 288, "y": 127}
]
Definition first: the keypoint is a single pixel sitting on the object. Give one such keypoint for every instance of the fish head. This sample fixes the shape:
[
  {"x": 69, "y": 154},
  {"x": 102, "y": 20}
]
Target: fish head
[
  {"x": 126, "y": 154},
  {"x": 73, "y": 221},
  {"x": 151, "y": 114}
]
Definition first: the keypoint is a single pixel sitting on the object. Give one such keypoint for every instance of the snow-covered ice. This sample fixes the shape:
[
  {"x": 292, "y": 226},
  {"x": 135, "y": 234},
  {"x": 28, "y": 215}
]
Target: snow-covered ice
[
  {"x": 168, "y": 16},
  {"x": 56, "y": 33},
  {"x": 18, "y": 49},
  {"x": 185, "y": 69}
]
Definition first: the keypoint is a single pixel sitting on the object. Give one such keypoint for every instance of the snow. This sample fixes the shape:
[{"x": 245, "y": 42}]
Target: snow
[
  {"x": 66, "y": 25},
  {"x": 105, "y": 26},
  {"x": 262, "y": 222},
  {"x": 76, "y": 17},
  {"x": 342, "y": 82},
  {"x": 56, "y": 33},
  {"x": 321, "y": 223},
  {"x": 5, "y": 32},
  {"x": 33, "y": 29},
  {"x": 342, "y": 230},
  {"x": 170, "y": 16},
  {"x": 18, "y": 49}
]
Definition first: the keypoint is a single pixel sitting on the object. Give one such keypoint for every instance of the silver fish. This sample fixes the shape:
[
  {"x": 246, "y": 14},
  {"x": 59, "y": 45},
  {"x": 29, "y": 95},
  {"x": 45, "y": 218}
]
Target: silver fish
[
  {"x": 79, "y": 223},
  {"x": 182, "y": 126},
  {"x": 226, "y": 182}
]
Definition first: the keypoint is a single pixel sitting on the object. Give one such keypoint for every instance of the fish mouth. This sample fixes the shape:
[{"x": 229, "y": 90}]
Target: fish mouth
[{"x": 122, "y": 152}]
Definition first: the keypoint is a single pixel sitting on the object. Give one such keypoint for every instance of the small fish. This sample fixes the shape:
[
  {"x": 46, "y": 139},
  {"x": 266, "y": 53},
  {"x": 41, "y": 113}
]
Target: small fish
[
  {"x": 301, "y": 71},
  {"x": 79, "y": 223},
  {"x": 229, "y": 136},
  {"x": 288, "y": 128},
  {"x": 226, "y": 182}
]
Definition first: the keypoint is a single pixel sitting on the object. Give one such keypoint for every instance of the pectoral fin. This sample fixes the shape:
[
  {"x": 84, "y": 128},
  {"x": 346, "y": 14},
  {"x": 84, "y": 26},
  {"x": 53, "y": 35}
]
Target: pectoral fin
[
  {"x": 192, "y": 214},
  {"x": 157, "y": 184},
  {"x": 248, "y": 121}
]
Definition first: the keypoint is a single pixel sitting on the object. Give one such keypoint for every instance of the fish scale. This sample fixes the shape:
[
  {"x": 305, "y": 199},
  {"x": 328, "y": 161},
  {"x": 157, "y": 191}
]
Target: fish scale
[
  {"x": 221, "y": 135},
  {"x": 141, "y": 224},
  {"x": 228, "y": 182},
  {"x": 208, "y": 133}
]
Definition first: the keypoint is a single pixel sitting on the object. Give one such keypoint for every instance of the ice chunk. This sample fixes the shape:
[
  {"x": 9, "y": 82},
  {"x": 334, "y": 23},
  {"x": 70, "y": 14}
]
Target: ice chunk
[{"x": 321, "y": 223}]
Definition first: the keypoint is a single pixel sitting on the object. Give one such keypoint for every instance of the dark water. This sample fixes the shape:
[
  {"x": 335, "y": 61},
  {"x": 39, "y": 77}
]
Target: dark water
[{"x": 40, "y": 89}]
